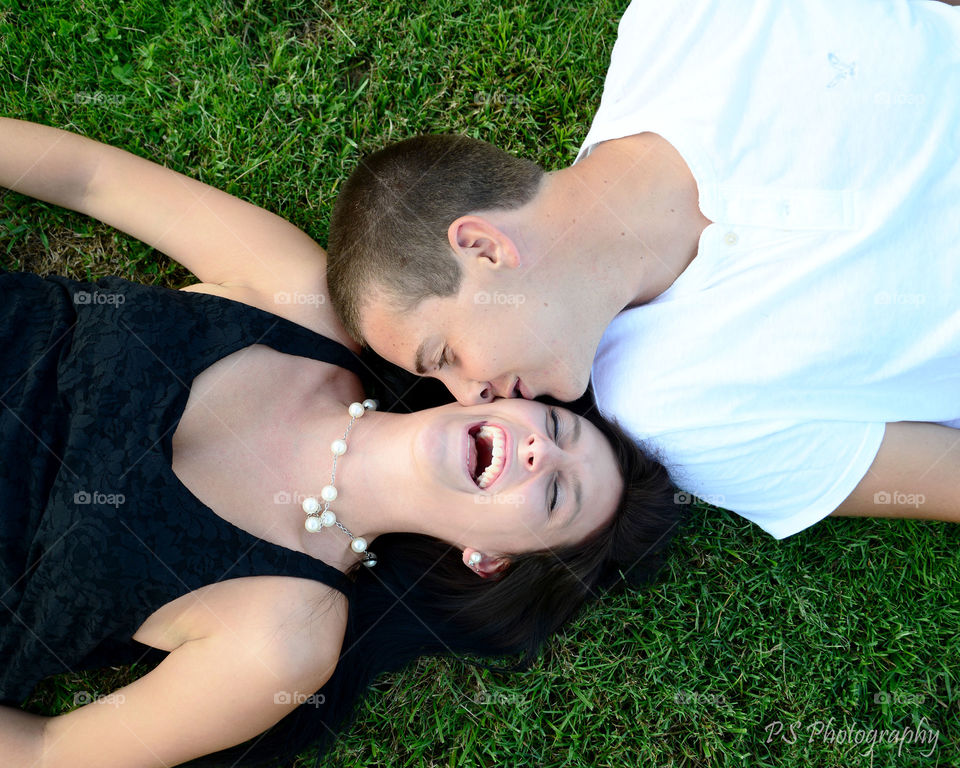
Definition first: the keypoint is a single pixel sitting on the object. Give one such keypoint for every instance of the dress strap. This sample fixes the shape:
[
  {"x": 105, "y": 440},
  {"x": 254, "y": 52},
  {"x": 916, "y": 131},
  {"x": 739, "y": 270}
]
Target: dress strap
[
  {"x": 292, "y": 339},
  {"x": 284, "y": 335}
]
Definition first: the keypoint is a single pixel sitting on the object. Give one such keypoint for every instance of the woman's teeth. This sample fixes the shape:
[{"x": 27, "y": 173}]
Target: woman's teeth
[{"x": 494, "y": 438}]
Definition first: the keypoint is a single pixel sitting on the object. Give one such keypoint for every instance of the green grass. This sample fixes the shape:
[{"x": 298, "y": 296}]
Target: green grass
[{"x": 854, "y": 621}]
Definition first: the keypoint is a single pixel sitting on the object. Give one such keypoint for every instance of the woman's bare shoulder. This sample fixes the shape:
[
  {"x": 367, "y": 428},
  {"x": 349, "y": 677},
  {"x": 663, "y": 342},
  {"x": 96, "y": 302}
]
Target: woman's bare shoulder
[{"x": 300, "y": 609}]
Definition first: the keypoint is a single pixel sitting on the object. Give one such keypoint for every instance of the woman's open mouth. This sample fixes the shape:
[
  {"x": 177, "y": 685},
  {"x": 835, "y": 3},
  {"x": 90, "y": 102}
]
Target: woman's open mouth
[{"x": 487, "y": 457}]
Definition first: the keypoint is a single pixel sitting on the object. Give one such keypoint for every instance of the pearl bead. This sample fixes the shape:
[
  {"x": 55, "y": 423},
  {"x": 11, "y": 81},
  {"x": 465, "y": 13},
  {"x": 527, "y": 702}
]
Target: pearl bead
[
  {"x": 317, "y": 520},
  {"x": 475, "y": 558}
]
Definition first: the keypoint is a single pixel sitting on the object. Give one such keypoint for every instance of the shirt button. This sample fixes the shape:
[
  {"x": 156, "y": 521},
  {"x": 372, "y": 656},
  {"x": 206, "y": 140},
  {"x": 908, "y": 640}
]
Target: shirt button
[{"x": 731, "y": 238}]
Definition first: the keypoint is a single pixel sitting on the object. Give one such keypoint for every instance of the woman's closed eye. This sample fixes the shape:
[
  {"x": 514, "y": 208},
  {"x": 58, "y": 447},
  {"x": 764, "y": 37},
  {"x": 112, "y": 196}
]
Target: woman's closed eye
[{"x": 554, "y": 492}]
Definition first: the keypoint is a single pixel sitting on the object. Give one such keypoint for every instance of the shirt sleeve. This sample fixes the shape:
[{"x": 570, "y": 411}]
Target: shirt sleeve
[{"x": 783, "y": 476}]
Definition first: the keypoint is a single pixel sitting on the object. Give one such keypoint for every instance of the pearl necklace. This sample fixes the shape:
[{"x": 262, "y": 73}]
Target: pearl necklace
[{"x": 317, "y": 520}]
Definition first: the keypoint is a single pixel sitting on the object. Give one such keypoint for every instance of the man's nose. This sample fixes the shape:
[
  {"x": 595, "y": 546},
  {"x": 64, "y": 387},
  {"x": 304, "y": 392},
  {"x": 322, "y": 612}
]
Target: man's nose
[{"x": 471, "y": 392}]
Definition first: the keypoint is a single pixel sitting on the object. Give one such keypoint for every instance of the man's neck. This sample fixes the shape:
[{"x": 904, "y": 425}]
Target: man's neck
[{"x": 632, "y": 218}]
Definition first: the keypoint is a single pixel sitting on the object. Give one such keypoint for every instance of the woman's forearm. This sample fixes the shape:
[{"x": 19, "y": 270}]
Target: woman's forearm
[
  {"x": 21, "y": 738},
  {"x": 47, "y": 163}
]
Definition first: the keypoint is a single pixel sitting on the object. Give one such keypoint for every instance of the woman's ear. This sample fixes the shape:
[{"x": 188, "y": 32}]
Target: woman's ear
[{"x": 484, "y": 566}]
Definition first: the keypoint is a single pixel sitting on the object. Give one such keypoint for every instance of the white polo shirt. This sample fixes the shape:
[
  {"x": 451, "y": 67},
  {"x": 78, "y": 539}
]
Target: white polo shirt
[{"x": 824, "y": 301}]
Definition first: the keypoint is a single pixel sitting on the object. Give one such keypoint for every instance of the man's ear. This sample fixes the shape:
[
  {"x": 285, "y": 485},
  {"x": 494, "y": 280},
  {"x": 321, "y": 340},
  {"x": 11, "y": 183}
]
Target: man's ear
[
  {"x": 477, "y": 241},
  {"x": 487, "y": 566}
]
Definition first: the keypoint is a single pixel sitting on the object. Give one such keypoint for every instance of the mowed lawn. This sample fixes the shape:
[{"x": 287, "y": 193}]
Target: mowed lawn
[{"x": 836, "y": 647}]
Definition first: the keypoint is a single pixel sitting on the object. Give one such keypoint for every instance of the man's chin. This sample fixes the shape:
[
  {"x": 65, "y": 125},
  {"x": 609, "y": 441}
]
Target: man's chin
[{"x": 570, "y": 391}]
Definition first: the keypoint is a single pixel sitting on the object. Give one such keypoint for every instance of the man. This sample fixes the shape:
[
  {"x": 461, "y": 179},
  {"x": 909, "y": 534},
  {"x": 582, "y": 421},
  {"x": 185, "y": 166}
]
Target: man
[{"x": 756, "y": 251}]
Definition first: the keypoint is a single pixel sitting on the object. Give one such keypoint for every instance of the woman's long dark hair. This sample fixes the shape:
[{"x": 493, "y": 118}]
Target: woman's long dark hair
[{"x": 420, "y": 600}]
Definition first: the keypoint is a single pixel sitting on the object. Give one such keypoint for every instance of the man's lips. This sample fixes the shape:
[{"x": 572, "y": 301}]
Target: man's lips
[{"x": 522, "y": 390}]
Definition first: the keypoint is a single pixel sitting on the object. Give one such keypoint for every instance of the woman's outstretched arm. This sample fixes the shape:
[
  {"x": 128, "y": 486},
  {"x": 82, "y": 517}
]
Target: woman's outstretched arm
[
  {"x": 251, "y": 253},
  {"x": 208, "y": 694},
  {"x": 21, "y": 737}
]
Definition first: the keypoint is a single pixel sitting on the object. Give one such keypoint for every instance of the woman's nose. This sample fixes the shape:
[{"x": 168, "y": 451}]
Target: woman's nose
[{"x": 538, "y": 452}]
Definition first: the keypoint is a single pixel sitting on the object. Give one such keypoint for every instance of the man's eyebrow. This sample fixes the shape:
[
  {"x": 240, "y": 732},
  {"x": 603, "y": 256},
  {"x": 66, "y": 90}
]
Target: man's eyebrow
[{"x": 418, "y": 365}]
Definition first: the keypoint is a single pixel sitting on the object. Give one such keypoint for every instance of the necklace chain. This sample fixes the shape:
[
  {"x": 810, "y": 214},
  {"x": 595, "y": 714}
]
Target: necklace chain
[{"x": 318, "y": 519}]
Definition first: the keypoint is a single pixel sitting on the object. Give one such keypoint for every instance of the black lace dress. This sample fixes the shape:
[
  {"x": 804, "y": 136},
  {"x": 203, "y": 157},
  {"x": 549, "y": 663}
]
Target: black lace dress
[{"x": 96, "y": 531}]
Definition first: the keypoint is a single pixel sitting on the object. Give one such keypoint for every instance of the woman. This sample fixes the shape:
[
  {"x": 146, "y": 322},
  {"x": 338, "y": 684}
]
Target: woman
[{"x": 170, "y": 501}]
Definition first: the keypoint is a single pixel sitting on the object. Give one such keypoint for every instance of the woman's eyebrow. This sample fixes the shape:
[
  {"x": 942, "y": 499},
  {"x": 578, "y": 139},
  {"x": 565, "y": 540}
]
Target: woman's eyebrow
[
  {"x": 577, "y": 487},
  {"x": 578, "y": 496}
]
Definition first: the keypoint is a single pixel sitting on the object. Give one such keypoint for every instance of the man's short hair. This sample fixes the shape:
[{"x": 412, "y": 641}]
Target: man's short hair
[{"x": 389, "y": 226}]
